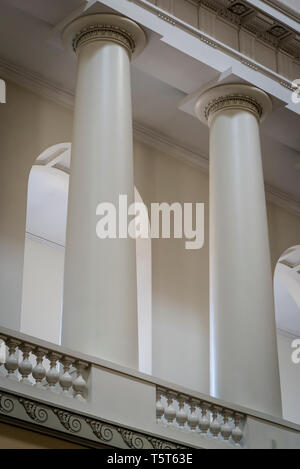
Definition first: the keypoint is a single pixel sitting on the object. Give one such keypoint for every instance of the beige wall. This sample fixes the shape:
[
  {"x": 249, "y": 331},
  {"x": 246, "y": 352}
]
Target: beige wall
[
  {"x": 28, "y": 125},
  {"x": 12, "y": 437}
]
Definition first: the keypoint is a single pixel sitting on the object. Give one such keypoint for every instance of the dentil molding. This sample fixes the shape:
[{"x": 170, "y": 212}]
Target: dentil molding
[
  {"x": 37, "y": 84},
  {"x": 238, "y": 29}
]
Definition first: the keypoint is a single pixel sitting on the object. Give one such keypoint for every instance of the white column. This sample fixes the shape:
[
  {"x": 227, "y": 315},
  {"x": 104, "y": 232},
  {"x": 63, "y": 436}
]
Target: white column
[
  {"x": 244, "y": 361},
  {"x": 100, "y": 300}
]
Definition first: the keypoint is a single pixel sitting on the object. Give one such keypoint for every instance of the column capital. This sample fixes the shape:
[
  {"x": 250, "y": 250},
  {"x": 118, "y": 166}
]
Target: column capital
[
  {"x": 105, "y": 27},
  {"x": 233, "y": 96}
]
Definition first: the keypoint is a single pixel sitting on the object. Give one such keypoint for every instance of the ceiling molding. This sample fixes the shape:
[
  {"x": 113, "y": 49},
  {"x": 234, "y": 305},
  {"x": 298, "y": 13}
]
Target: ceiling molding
[
  {"x": 289, "y": 42},
  {"x": 282, "y": 199},
  {"x": 37, "y": 84},
  {"x": 171, "y": 147},
  {"x": 286, "y": 10}
]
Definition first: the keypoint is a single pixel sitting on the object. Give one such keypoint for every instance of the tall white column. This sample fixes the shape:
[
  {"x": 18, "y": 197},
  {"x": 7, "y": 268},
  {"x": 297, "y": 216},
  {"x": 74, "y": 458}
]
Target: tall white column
[
  {"x": 244, "y": 361},
  {"x": 100, "y": 300}
]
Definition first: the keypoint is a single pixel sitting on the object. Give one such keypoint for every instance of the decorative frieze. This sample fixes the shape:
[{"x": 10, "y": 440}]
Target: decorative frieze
[
  {"x": 34, "y": 411},
  {"x": 88, "y": 431},
  {"x": 230, "y": 21}
]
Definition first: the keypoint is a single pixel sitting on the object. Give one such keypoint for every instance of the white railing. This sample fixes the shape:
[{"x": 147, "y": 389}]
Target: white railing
[
  {"x": 199, "y": 416},
  {"x": 43, "y": 368}
]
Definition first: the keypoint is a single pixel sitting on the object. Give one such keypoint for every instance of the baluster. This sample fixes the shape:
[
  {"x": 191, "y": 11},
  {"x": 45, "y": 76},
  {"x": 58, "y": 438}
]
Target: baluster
[
  {"x": 39, "y": 371},
  {"x": 79, "y": 384},
  {"x": 52, "y": 375},
  {"x": 159, "y": 405},
  {"x": 237, "y": 433},
  {"x": 66, "y": 379},
  {"x": 193, "y": 417},
  {"x": 181, "y": 415},
  {"x": 12, "y": 361},
  {"x": 170, "y": 412},
  {"x": 226, "y": 429},
  {"x": 215, "y": 426},
  {"x": 25, "y": 367},
  {"x": 204, "y": 420},
  {"x": 3, "y": 340}
]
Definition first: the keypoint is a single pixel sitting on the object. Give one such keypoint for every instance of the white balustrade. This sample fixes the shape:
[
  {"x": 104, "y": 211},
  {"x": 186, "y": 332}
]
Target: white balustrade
[
  {"x": 43, "y": 368},
  {"x": 202, "y": 417}
]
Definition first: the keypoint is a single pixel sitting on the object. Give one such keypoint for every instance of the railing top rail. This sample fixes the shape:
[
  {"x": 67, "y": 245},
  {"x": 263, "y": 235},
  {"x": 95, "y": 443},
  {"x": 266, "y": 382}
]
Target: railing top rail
[{"x": 159, "y": 383}]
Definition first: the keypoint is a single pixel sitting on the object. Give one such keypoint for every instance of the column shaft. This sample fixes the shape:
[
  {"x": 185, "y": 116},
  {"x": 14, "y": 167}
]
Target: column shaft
[
  {"x": 100, "y": 301},
  {"x": 244, "y": 362}
]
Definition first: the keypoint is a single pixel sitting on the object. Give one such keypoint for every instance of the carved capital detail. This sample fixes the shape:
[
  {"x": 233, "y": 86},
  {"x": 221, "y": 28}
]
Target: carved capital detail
[
  {"x": 233, "y": 101},
  {"x": 105, "y": 32}
]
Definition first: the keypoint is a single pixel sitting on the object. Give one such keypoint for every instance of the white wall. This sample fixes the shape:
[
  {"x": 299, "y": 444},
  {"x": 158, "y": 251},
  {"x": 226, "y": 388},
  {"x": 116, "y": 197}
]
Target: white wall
[
  {"x": 180, "y": 283},
  {"x": 28, "y": 125},
  {"x": 42, "y": 290},
  {"x": 290, "y": 379}
]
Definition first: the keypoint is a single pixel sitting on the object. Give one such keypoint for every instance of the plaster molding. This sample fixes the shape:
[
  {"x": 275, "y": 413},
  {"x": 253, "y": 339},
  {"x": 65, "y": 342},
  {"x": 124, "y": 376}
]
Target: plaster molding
[
  {"x": 286, "y": 10},
  {"x": 252, "y": 18},
  {"x": 103, "y": 32},
  {"x": 37, "y": 84},
  {"x": 40, "y": 417},
  {"x": 288, "y": 43},
  {"x": 105, "y": 27},
  {"x": 233, "y": 101},
  {"x": 228, "y": 96}
]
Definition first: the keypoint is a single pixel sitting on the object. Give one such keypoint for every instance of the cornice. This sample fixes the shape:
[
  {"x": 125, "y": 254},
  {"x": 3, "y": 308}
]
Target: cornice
[
  {"x": 64, "y": 423},
  {"x": 254, "y": 19},
  {"x": 37, "y": 84},
  {"x": 287, "y": 43}
]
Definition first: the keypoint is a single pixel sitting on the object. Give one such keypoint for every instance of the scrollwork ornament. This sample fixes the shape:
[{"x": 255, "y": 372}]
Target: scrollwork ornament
[
  {"x": 159, "y": 444},
  {"x": 36, "y": 413},
  {"x": 69, "y": 421},
  {"x": 101, "y": 431},
  {"x": 132, "y": 440},
  {"x": 6, "y": 404}
]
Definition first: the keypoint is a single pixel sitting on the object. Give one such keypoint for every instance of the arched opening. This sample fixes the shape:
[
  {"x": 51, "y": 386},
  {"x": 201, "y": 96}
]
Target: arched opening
[
  {"x": 45, "y": 250},
  {"x": 287, "y": 309}
]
